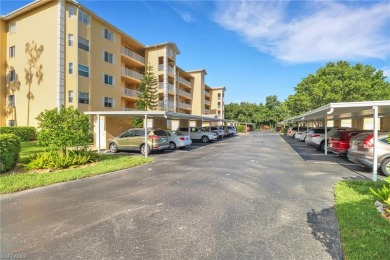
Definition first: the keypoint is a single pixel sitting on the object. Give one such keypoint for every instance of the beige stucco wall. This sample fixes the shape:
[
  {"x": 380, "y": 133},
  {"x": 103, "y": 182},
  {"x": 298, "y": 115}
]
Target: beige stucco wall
[
  {"x": 3, "y": 60},
  {"x": 198, "y": 92}
]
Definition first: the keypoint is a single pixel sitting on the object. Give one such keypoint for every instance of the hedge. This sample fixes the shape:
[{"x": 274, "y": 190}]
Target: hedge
[
  {"x": 9, "y": 151},
  {"x": 25, "y": 133}
]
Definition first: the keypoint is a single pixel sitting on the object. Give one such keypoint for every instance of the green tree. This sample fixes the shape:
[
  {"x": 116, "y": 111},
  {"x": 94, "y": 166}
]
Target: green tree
[
  {"x": 338, "y": 82},
  {"x": 148, "y": 92},
  {"x": 62, "y": 129}
]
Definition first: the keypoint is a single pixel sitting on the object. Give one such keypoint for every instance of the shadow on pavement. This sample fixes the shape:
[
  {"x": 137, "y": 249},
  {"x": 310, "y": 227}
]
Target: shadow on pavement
[{"x": 325, "y": 229}]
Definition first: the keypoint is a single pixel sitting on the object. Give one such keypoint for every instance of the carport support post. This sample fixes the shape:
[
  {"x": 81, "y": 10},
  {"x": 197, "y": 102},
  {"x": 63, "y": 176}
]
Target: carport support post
[
  {"x": 375, "y": 156},
  {"x": 146, "y": 136},
  {"x": 326, "y": 136},
  {"x": 99, "y": 136}
]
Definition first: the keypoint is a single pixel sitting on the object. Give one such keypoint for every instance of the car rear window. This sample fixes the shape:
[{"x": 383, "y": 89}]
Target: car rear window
[
  {"x": 177, "y": 133},
  {"x": 160, "y": 132},
  {"x": 337, "y": 134},
  {"x": 361, "y": 137},
  {"x": 318, "y": 131}
]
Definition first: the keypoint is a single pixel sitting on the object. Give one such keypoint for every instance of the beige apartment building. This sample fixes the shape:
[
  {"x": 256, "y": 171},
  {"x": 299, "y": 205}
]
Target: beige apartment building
[{"x": 60, "y": 53}]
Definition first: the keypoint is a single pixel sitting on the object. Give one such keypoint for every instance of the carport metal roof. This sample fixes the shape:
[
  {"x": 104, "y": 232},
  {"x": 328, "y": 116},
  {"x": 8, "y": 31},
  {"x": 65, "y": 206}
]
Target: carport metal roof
[
  {"x": 342, "y": 111},
  {"x": 346, "y": 110}
]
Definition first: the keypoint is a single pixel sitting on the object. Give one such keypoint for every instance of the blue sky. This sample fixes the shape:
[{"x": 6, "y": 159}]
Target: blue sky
[{"x": 255, "y": 48}]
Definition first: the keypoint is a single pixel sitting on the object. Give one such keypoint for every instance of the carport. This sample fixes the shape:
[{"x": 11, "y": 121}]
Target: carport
[
  {"x": 146, "y": 115},
  {"x": 350, "y": 110}
]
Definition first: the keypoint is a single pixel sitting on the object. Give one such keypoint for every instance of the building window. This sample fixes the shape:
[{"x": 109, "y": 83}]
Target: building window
[
  {"x": 83, "y": 44},
  {"x": 108, "y": 80},
  {"x": 12, "y": 76},
  {"x": 108, "y": 57},
  {"x": 70, "y": 96},
  {"x": 83, "y": 71},
  {"x": 12, "y": 27},
  {"x": 108, "y": 102},
  {"x": 70, "y": 68},
  {"x": 70, "y": 39},
  {"x": 12, "y": 51},
  {"x": 11, "y": 123},
  {"x": 11, "y": 100},
  {"x": 84, "y": 98},
  {"x": 71, "y": 12},
  {"x": 108, "y": 35},
  {"x": 83, "y": 17}
]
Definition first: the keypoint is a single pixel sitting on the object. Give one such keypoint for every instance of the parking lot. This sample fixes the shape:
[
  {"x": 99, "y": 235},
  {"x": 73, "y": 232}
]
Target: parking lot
[{"x": 254, "y": 196}]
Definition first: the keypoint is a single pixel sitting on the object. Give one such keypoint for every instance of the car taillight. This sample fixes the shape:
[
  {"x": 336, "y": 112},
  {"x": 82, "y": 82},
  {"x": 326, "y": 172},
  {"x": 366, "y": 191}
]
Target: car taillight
[
  {"x": 368, "y": 143},
  {"x": 182, "y": 138},
  {"x": 154, "y": 137},
  {"x": 315, "y": 135}
]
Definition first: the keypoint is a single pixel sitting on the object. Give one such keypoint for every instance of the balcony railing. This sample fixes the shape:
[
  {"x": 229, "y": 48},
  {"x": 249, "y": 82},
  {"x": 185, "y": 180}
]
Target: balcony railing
[
  {"x": 132, "y": 54},
  {"x": 170, "y": 104},
  {"x": 170, "y": 86},
  {"x": 207, "y": 102},
  {"x": 184, "y": 105},
  {"x": 129, "y": 109},
  {"x": 170, "y": 69},
  {"x": 184, "y": 93},
  {"x": 207, "y": 93},
  {"x": 207, "y": 111},
  {"x": 184, "y": 81},
  {"x": 130, "y": 92},
  {"x": 131, "y": 73}
]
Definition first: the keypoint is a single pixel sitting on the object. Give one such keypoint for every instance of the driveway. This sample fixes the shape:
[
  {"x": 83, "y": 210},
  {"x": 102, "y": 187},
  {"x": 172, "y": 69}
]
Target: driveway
[{"x": 247, "y": 197}]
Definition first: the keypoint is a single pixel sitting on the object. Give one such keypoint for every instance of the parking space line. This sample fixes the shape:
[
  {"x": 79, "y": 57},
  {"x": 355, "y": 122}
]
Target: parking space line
[{"x": 335, "y": 163}]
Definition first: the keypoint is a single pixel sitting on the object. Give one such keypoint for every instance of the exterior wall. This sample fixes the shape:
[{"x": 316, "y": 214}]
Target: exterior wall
[
  {"x": 217, "y": 102},
  {"x": 37, "y": 27},
  {"x": 3, "y": 60},
  {"x": 198, "y": 92}
]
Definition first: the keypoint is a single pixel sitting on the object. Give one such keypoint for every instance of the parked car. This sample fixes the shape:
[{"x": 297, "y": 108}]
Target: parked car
[
  {"x": 339, "y": 141},
  {"x": 300, "y": 135},
  {"x": 231, "y": 130},
  {"x": 361, "y": 150},
  {"x": 178, "y": 139},
  {"x": 291, "y": 131},
  {"x": 134, "y": 140},
  {"x": 316, "y": 136},
  {"x": 197, "y": 133},
  {"x": 220, "y": 132}
]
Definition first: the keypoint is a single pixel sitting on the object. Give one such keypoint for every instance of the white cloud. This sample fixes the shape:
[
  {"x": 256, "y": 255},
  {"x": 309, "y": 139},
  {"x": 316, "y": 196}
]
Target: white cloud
[
  {"x": 386, "y": 71},
  {"x": 300, "y": 32},
  {"x": 186, "y": 16}
]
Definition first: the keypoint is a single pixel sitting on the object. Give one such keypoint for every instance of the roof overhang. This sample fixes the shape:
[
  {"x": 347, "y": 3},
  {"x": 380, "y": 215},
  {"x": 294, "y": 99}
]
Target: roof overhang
[{"x": 345, "y": 110}]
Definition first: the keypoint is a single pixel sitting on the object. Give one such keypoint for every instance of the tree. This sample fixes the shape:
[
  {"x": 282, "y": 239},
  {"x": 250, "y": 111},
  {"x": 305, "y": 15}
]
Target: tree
[
  {"x": 33, "y": 68},
  {"x": 62, "y": 129},
  {"x": 148, "y": 92},
  {"x": 338, "y": 82}
]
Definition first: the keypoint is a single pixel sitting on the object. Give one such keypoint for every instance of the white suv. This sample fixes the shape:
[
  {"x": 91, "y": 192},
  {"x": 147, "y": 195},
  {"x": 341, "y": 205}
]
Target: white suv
[
  {"x": 316, "y": 136},
  {"x": 198, "y": 134}
]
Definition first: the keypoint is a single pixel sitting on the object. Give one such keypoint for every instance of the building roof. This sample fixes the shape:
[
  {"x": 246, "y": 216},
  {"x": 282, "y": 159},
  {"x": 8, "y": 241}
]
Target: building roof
[{"x": 172, "y": 44}]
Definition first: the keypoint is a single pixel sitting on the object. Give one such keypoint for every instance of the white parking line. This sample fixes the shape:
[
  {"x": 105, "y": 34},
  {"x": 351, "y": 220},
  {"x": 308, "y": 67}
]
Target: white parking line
[{"x": 333, "y": 163}]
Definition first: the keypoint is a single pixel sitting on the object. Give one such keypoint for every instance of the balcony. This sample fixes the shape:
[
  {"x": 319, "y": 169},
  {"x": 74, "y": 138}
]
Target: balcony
[
  {"x": 207, "y": 111},
  {"x": 130, "y": 92},
  {"x": 184, "y": 93},
  {"x": 131, "y": 54},
  {"x": 207, "y": 93},
  {"x": 170, "y": 69},
  {"x": 170, "y": 86},
  {"x": 129, "y": 109},
  {"x": 131, "y": 73},
  {"x": 185, "y": 82},
  {"x": 207, "y": 102},
  {"x": 170, "y": 104},
  {"x": 184, "y": 105}
]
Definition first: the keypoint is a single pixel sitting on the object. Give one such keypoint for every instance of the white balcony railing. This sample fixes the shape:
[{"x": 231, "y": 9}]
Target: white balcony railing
[
  {"x": 129, "y": 109},
  {"x": 170, "y": 104},
  {"x": 130, "y": 92},
  {"x": 207, "y": 111},
  {"x": 184, "y": 93},
  {"x": 131, "y": 73},
  {"x": 206, "y": 92},
  {"x": 184, "y": 105},
  {"x": 184, "y": 81},
  {"x": 170, "y": 86},
  {"x": 207, "y": 102},
  {"x": 170, "y": 69},
  {"x": 132, "y": 54}
]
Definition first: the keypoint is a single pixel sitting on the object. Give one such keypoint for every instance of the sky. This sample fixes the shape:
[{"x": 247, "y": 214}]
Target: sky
[{"x": 254, "y": 48}]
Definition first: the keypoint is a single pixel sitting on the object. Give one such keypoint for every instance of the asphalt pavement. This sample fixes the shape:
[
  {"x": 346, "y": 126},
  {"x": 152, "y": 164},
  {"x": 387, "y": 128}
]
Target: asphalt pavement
[{"x": 247, "y": 197}]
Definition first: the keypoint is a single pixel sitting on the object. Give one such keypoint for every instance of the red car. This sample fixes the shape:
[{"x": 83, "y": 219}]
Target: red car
[{"x": 339, "y": 141}]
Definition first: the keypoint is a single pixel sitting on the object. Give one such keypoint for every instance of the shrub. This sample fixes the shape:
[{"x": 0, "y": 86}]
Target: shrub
[
  {"x": 383, "y": 194},
  {"x": 60, "y": 160},
  {"x": 25, "y": 133},
  {"x": 240, "y": 128},
  {"x": 9, "y": 151}
]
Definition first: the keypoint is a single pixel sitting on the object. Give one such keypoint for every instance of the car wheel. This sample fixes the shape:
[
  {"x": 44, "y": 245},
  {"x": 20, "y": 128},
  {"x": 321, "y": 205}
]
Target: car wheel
[
  {"x": 172, "y": 146},
  {"x": 322, "y": 147},
  {"x": 205, "y": 139},
  {"x": 113, "y": 147},
  {"x": 385, "y": 167},
  {"x": 143, "y": 149}
]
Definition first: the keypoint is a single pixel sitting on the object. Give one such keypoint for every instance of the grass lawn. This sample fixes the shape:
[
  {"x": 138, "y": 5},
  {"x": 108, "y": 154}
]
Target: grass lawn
[
  {"x": 17, "y": 181},
  {"x": 364, "y": 233}
]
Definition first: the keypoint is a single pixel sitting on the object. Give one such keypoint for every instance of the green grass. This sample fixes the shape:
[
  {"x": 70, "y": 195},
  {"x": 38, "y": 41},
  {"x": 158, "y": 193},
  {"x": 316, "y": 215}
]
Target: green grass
[
  {"x": 12, "y": 182},
  {"x": 364, "y": 233}
]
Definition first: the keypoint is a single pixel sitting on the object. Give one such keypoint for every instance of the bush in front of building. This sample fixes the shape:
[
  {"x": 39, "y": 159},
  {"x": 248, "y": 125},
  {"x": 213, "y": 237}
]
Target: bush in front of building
[
  {"x": 9, "y": 151},
  {"x": 25, "y": 133},
  {"x": 240, "y": 129}
]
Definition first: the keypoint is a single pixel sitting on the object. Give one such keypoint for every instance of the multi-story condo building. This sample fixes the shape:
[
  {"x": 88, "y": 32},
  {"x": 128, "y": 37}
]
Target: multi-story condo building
[{"x": 59, "y": 53}]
